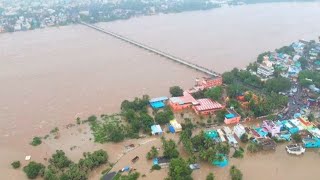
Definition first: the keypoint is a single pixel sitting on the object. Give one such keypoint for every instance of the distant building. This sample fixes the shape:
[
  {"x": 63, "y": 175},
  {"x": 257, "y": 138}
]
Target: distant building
[
  {"x": 232, "y": 117},
  {"x": 206, "y": 106},
  {"x": 265, "y": 71}
]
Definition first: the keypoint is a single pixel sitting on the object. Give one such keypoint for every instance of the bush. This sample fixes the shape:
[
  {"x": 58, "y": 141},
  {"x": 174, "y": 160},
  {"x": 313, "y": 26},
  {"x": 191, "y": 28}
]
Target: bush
[
  {"x": 34, "y": 169},
  {"x": 36, "y": 141},
  {"x": 156, "y": 167},
  {"x": 210, "y": 176},
  {"x": 16, "y": 164},
  {"x": 253, "y": 147},
  {"x": 235, "y": 173},
  {"x": 238, "y": 154}
]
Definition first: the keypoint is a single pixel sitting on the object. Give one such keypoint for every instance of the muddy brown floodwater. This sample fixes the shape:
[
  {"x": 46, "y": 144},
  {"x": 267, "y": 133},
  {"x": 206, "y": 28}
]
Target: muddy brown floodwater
[{"x": 51, "y": 76}]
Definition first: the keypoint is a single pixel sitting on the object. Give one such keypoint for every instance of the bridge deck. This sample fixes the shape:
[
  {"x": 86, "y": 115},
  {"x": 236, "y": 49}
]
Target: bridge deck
[{"x": 156, "y": 51}]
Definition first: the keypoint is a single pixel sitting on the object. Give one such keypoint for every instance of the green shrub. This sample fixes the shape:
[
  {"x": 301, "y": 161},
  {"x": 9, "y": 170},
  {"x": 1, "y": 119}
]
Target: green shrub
[
  {"x": 16, "y": 164},
  {"x": 156, "y": 167},
  {"x": 34, "y": 169},
  {"x": 36, "y": 141}
]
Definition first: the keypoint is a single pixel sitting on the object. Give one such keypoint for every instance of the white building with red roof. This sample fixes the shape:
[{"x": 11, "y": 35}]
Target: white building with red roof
[{"x": 207, "y": 106}]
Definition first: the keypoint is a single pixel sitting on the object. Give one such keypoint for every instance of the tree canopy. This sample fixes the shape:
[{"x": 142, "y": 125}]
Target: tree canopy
[
  {"x": 33, "y": 169},
  {"x": 279, "y": 84},
  {"x": 214, "y": 93},
  {"x": 179, "y": 170},
  {"x": 235, "y": 173},
  {"x": 176, "y": 91},
  {"x": 169, "y": 149}
]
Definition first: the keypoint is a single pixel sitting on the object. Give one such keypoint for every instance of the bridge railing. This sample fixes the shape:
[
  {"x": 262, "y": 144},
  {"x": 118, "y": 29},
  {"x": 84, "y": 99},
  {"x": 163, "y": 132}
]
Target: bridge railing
[{"x": 196, "y": 66}]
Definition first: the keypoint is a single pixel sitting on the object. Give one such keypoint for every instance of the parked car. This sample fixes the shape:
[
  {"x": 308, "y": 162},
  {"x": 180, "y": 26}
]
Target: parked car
[{"x": 194, "y": 166}]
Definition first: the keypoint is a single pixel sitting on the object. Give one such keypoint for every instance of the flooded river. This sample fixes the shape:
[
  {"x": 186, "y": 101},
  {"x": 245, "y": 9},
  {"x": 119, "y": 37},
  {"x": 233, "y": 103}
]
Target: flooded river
[{"x": 51, "y": 76}]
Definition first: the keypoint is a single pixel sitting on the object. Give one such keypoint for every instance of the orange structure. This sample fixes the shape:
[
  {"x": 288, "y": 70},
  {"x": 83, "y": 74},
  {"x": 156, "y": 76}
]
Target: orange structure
[
  {"x": 207, "y": 106},
  {"x": 210, "y": 82},
  {"x": 232, "y": 117},
  {"x": 206, "y": 83},
  {"x": 183, "y": 102}
]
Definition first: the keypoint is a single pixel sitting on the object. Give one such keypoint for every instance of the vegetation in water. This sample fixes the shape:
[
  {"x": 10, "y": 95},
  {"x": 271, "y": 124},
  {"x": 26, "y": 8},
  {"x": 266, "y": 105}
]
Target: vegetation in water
[
  {"x": 36, "y": 141},
  {"x": 153, "y": 153},
  {"x": 210, "y": 176},
  {"x": 235, "y": 173},
  {"x": 179, "y": 170},
  {"x": 16, "y": 164}
]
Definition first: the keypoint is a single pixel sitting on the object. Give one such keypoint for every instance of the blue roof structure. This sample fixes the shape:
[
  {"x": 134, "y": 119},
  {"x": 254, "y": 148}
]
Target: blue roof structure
[
  {"x": 158, "y": 99},
  {"x": 157, "y": 105},
  {"x": 229, "y": 116},
  {"x": 222, "y": 163}
]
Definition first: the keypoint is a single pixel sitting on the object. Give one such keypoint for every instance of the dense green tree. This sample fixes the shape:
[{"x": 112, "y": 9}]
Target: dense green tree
[
  {"x": 253, "y": 67},
  {"x": 59, "y": 160},
  {"x": 210, "y": 176},
  {"x": 214, "y": 93},
  {"x": 169, "y": 149},
  {"x": 253, "y": 147},
  {"x": 228, "y": 77},
  {"x": 179, "y": 170},
  {"x": 153, "y": 153},
  {"x": 235, "y": 173},
  {"x": 279, "y": 84},
  {"x": 163, "y": 117},
  {"x": 74, "y": 172},
  {"x": 109, "y": 130},
  {"x": 176, "y": 91},
  {"x": 220, "y": 115},
  {"x": 146, "y": 121},
  {"x": 49, "y": 174},
  {"x": 130, "y": 176},
  {"x": 286, "y": 50},
  {"x": 33, "y": 169}
]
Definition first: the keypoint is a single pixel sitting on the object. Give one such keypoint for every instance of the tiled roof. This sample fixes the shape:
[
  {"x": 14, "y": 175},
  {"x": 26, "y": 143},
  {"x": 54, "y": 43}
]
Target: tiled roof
[{"x": 207, "y": 104}]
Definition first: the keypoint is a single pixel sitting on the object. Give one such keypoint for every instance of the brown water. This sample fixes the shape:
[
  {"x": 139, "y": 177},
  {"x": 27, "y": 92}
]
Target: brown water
[{"x": 50, "y": 76}]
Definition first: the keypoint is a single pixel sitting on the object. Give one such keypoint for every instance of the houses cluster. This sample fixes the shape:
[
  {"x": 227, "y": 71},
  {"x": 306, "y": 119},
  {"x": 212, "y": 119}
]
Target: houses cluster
[
  {"x": 289, "y": 65},
  {"x": 17, "y": 15}
]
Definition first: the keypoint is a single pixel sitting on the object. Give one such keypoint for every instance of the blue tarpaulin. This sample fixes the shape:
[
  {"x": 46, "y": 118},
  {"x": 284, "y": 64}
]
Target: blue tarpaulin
[{"x": 171, "y": 129}]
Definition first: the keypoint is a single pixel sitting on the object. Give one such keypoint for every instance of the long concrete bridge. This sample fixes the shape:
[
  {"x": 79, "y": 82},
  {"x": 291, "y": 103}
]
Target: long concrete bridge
[{"x": 155, "y": 51}]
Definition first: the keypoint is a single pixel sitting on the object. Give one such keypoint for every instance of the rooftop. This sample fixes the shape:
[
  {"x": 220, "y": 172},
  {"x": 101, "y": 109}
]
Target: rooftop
[{"x": 207, "y": 104}]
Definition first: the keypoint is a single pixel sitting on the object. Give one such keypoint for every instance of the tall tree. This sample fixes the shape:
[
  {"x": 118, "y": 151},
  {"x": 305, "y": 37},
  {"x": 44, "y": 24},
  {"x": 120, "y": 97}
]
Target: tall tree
[
  {"x": 176, "y": 91},
  {"x": 179, "y": 170}
]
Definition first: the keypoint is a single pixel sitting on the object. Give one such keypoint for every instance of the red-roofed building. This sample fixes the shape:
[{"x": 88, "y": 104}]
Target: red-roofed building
[
  {"x": 207, "y": 106},
  {"x": 183, "y": 102}
]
